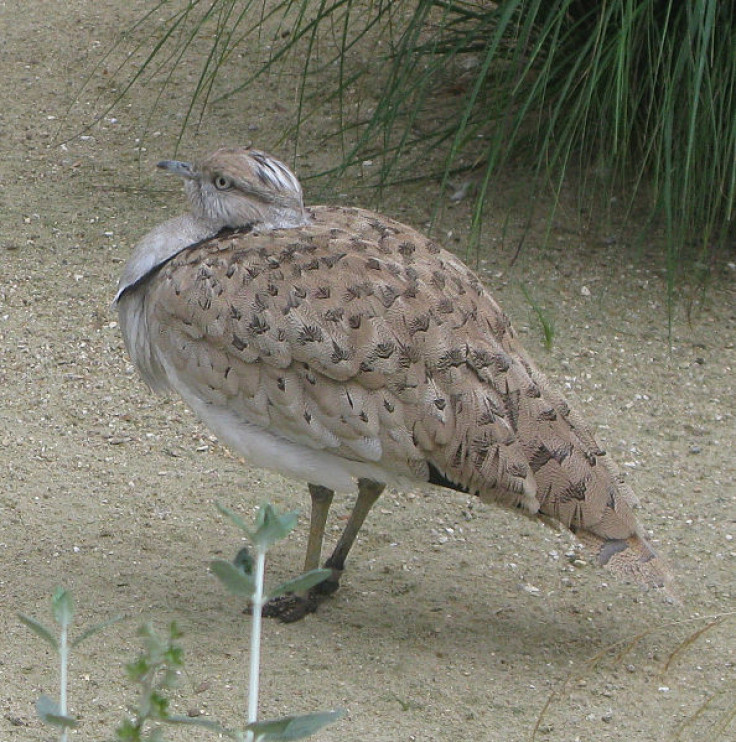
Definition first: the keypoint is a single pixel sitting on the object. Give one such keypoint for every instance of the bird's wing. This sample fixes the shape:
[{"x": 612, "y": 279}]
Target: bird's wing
[{"x": 359, "y": 335}]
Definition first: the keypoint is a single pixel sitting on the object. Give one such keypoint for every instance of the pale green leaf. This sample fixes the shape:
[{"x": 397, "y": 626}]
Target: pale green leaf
[
  {"x": 94, "y": 629},
  {"x": 293, "y": 727},
  {"x": 244, "y": 561},
  {"x": 40, "y": 630},
  {"x": 62, "y": 607},
  {"x": 302, "y": 583},
  {"x": 234, "y": 579},
  {"x": 48, "y": 710},
  {"x": 272, "y": 527},
  {"x": 235, "y": 518}
]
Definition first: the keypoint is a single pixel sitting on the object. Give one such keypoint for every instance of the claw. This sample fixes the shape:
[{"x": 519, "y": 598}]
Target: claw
[{"x": 291, "y": 608}]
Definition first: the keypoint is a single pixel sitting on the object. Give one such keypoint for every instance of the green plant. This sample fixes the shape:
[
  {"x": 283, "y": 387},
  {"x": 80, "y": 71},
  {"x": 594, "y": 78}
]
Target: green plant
[
  {"x": 270, "y": 528},
  {"x": 53, "y": 712},
  {"x": 545, "y": 320},
  {"x": 156, "y": 669}
]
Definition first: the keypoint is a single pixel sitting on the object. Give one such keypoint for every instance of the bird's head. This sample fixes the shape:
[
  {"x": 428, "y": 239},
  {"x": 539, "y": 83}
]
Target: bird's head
[{"x": 238, "y": 186}]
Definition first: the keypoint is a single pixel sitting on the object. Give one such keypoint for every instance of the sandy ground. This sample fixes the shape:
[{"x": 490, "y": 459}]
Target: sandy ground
[{"x": 455, "y": 620}]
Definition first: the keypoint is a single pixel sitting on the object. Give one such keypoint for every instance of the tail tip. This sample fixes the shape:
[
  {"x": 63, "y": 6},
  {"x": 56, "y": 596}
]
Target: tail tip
[{"x": 634, "y": 560}]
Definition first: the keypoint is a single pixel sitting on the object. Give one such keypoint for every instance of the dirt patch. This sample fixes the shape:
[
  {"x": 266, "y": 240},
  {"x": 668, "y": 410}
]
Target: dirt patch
[{"x": 455, "y": 620}]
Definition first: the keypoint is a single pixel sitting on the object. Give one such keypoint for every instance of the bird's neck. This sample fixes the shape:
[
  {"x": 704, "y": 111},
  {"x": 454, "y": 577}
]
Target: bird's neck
[
  {"x": 161, "y": 244},
  {"x": 282, "y": 218}
]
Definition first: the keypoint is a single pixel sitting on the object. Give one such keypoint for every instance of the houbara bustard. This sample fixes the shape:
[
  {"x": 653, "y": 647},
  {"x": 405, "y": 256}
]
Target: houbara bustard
[{"x": 336, "y": 345}]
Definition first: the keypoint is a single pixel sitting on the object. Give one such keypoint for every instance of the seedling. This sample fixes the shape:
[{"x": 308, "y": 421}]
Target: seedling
[
  {"x": 50, "y": 711},
  {"x": 547, "y": 323},
  {"x": 156, "y": 670},
  {"x": 247, "y": 579}
]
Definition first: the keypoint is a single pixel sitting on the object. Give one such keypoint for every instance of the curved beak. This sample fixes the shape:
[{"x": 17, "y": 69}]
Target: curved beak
[{"x": 175, "y": 167}]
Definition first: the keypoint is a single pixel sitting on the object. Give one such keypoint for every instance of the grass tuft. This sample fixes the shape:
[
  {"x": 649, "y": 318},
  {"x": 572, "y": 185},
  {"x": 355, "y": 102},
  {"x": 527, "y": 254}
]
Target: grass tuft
[{"x": 545, "y": 320}]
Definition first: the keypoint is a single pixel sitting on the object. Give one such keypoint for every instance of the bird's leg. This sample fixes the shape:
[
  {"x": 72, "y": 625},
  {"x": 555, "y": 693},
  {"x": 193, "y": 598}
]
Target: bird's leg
[
  {"x": 368, "y": 492},
  {"x": 293, "y": 607},
  {"x": 321, "y": 501}
]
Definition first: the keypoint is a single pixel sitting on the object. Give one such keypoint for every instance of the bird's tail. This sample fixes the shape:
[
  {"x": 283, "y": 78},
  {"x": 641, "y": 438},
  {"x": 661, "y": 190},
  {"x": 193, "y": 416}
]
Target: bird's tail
[
  {"x": 631, "y": 559},
  {"x": 582, "y": 488}
]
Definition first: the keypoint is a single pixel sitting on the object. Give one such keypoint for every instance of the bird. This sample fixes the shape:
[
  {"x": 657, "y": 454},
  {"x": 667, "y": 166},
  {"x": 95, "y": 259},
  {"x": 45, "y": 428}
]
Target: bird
[{"x": 345, "y": 349}]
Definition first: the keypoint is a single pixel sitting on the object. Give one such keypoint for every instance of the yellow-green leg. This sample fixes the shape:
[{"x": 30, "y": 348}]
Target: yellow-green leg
[
  {"x": 321, "y": 501},
  {"x": 294, "y": 607},
  {"x": 368, "y": 492}
]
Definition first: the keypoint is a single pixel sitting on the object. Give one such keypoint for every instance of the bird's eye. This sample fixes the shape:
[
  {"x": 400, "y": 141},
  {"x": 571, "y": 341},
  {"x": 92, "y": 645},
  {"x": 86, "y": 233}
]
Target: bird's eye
[{"x": 222, "y": 183}]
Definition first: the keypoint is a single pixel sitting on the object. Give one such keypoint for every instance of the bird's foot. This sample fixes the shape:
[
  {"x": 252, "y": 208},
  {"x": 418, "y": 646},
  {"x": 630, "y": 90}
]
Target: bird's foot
[
  {"x": 294, "y": 607},
  {"x": 330, "y": 585},
  {"x": 291, "y": 608}
]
